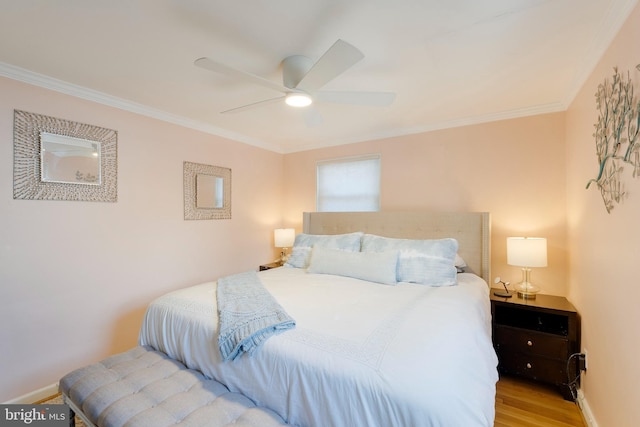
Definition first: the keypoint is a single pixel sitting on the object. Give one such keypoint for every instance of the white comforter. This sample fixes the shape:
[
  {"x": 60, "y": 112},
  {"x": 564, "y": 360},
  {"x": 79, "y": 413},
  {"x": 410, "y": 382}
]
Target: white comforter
[{"x": 362, "y": 354}]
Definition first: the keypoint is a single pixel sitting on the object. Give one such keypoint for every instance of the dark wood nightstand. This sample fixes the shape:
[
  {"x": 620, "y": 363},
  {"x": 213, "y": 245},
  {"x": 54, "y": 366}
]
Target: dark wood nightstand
[
  {"x": 535, "y": 338},
  {"x": 269, "y": 266}
]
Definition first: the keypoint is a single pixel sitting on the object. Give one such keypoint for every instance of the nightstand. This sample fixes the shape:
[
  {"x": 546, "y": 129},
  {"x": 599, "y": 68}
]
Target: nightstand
[
  {"x": 269, "y": 266},
  {"x": 534, "y": 338}
]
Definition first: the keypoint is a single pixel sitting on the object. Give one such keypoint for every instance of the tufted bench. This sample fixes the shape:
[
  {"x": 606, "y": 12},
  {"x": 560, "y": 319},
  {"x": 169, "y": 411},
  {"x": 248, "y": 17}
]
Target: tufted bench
[{"x": 144, "y": 387}]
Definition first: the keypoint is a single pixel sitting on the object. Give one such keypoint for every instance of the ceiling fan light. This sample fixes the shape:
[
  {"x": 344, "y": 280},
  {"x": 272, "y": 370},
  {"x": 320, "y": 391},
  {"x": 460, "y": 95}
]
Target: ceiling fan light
[{"x": 298, "y": 99}]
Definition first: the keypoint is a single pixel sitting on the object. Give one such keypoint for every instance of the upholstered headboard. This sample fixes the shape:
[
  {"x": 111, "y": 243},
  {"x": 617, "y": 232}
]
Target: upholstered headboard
[{"x": 471, "y": 229}]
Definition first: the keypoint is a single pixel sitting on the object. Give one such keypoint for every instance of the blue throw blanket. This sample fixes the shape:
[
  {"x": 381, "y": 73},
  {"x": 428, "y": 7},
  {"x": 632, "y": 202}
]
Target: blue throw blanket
[{"x": 248, "y": 315}]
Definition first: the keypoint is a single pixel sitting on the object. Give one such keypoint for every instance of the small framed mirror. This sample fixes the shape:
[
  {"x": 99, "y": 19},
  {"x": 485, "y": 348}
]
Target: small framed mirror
[{"x": 207, "y": 191}]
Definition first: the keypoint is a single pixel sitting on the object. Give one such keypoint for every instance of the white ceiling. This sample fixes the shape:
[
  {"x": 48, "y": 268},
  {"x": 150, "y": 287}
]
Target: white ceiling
[{"x": 451, "y": 62}]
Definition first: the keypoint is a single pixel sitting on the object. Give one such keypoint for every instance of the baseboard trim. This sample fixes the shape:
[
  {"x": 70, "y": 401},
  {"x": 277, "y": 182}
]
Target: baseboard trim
[
  {"x": 586, "y": 410},
  {"x": 35, "y": 396}
]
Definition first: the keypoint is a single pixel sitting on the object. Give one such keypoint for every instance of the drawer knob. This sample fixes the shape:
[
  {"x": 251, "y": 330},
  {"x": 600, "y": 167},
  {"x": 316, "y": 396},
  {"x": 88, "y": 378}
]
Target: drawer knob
[
  {"x": 530, "y": 343},
  {"x": 528, "y": 365}
]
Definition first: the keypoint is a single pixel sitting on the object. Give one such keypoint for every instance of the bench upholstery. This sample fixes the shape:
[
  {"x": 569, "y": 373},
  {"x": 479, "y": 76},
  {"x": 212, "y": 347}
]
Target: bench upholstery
[{"x": 144, "y": 387}]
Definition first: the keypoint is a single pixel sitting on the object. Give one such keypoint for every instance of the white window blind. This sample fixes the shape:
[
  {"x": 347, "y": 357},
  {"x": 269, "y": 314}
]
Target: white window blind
[{"x": 348, "y": 185}]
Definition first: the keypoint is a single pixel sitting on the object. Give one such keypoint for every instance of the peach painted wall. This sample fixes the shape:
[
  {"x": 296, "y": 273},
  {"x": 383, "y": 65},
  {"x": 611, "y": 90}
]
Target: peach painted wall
[
  {"x": 512, "y": 168},
  {"x": 76, "y": 276},
  {"x": 605, "y": 251}
]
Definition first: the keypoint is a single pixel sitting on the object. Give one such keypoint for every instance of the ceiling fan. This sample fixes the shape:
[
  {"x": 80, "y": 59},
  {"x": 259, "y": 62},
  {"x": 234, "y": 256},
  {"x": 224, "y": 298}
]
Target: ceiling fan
[{"x": 302, "y": 79}]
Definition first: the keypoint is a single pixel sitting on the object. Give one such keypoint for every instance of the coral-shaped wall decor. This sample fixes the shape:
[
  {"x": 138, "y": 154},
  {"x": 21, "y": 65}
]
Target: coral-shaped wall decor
[{"x": 616, "y": 136}]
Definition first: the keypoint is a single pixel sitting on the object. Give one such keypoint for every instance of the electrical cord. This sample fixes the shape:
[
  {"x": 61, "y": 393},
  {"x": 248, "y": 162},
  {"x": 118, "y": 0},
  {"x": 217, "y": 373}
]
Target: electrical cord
[{"x": 573, "y": 384}]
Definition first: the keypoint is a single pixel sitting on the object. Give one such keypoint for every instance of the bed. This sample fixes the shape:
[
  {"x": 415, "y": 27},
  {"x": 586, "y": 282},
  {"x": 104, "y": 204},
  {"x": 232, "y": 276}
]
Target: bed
[{"x": 363, "y": 352}]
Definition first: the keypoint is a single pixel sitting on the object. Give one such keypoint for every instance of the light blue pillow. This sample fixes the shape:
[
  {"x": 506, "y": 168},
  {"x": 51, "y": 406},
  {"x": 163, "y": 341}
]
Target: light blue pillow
[
  {"x": 303, "y": 243},
  {"x": 427, "y": 262},
  {"x": 379, "y": 267}
]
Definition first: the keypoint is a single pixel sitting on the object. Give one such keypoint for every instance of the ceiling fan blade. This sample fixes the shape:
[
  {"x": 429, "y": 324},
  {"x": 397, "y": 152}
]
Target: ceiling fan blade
[
  {"x": 335, "y": 61},
  {"x": 253, "y": 105},
  {"x": 375, "y": 99},
  {"x": 217, "y": 67}
]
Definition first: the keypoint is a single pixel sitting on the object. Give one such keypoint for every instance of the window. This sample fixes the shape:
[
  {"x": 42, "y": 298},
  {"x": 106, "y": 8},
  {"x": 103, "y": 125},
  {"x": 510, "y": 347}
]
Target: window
[{"x": 348, "y": 185}]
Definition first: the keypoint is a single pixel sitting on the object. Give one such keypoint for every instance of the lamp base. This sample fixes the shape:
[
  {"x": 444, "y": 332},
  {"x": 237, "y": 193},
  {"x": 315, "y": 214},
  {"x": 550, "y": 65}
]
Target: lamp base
[
  {"x": 526, "y": 290},
  {"x": 284, "y": 257},
  {"x": 526, "y": 295}
]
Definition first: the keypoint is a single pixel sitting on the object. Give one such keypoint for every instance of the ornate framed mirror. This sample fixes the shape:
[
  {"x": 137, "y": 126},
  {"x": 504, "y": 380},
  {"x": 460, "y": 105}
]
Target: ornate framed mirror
[
  {"x": 56, "y": 159},
  {"x": 207, "y": 191}
]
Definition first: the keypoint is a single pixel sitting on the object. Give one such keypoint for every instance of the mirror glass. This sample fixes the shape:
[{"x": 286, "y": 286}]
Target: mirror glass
[
  {"x": 69, "y": 160},
  {"x": 209, "y": 191}
]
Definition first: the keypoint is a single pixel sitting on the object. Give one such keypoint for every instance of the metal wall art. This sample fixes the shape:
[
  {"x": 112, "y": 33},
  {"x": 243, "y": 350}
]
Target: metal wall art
[
  {"x": 616, "y": 136},
  {"x": 56, "y": 159}
]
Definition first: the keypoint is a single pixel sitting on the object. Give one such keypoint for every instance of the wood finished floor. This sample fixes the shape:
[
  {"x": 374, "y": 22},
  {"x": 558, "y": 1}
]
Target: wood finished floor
[{"x": 521, "y": 403}]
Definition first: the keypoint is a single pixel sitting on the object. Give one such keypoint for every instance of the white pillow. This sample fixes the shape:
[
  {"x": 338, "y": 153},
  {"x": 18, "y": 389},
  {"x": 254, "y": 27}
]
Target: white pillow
[
  {"x": 460, "y": 264},
  {"x": 303, "y": 243},
  {"x": 379, "y": 267},
  {"x": 427, "y": 262}
]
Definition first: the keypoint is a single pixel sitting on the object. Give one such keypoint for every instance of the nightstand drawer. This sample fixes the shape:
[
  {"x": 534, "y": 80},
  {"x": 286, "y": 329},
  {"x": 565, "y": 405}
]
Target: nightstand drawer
[
  {"x": 531, "y": 342},
  {"x": 534, "y": 367}
]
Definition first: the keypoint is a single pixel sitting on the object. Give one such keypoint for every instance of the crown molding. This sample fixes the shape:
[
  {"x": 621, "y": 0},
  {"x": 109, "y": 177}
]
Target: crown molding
[
  {"x": 430, "y": 127},
  {"x": 46, "y": 82}
]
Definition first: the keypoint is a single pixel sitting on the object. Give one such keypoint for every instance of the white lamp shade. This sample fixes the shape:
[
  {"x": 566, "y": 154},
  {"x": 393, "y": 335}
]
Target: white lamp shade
[
  {"x": 284, "y": 237},
  {"x": 527, "y": 251}
]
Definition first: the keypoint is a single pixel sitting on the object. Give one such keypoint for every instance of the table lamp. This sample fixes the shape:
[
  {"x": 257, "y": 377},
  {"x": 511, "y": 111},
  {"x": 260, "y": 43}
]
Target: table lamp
[
  {"x": 527, "y": 252},
  {"x": 283, "y": 238}
]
